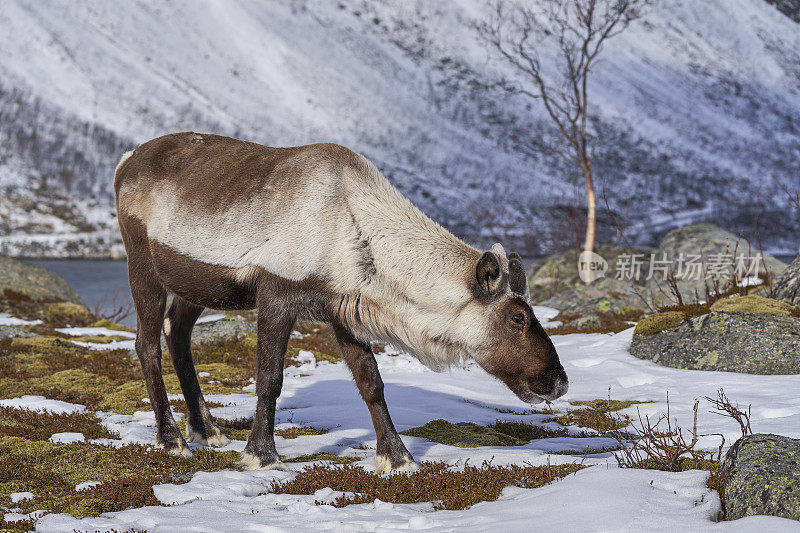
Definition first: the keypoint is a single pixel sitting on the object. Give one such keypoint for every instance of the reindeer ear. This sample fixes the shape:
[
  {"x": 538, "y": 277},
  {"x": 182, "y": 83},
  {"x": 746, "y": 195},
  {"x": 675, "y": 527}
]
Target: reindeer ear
[
  {"x": 517, "y": 281},
  {"x": 489, "y": 274}
]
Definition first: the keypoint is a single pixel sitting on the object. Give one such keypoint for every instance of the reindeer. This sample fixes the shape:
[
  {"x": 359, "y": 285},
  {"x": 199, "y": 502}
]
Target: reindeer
[{"x": 310, "y": 232}]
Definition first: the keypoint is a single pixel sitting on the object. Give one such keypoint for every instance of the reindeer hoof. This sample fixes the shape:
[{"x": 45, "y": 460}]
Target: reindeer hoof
[
  {"x": 178, "y": 448},
  {"x": 385, "y": 465},
  {"x": 217, "y": 439},
  {"x": 248, "y": 461}
]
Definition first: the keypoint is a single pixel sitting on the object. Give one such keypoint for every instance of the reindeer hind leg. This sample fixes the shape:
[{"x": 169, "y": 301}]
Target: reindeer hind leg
[{"x": 200, "y": 426}]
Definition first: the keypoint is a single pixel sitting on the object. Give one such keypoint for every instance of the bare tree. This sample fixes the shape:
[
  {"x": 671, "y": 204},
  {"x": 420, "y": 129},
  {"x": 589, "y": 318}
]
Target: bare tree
[{"x": 515, "y": 31}]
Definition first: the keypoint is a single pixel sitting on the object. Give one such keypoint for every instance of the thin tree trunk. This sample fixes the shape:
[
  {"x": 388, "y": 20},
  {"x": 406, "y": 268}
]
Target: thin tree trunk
[{"x": 591, "y": 201}]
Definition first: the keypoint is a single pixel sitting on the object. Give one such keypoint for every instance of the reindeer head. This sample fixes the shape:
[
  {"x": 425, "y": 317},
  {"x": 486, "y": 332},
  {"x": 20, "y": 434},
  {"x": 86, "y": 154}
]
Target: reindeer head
[{"x": 514, "y": 347}]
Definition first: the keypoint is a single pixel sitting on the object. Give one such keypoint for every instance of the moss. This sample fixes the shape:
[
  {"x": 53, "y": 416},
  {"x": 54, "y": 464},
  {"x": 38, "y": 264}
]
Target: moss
[
  {"x": 128, "y": 473},
  {"x": 112, "y": 326},
  {"x": 752, "y": 304},
  {"x": 658, "y": 322},
  {"x": 608, "y": 405},
  {"x": 588, "y": 417},
  {"x": 66, "y": 313},
  {"x": 463, "y": 435}
]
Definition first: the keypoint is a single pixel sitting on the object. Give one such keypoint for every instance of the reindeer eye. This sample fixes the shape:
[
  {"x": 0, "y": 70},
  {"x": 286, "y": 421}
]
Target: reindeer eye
[{"x": 519, "y": 319}]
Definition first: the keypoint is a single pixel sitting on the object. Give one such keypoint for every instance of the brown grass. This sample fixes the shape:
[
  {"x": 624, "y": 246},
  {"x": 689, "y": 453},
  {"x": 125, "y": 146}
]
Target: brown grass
[
  {"x": 435, "y": 482},
  {"x": 40, "y": 426},
  {"x": 298, "y": 431},
  {"x": 609, "y": 323}
]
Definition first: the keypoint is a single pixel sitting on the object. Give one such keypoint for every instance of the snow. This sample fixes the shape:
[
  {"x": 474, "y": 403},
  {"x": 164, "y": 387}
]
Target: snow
[
  {"x": 17, "y": 497},
  {"x": 113, "y": 345},
  {"x": 8, "y": 320},
  {"x": 707, "y": 87},
  {"x": 79, "y": 332},
  {"x": 545, "y": 315},
  {"x": 42, "y": 404},
  {"x": 67, "y": 437},
  {"x": 604, "y": 495},
  {"x": 86, "y": 485},
  {"x": 210, "y": 318}
]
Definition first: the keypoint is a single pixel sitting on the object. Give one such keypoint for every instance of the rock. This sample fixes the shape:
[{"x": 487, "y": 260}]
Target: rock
[
  {"x": 226, "y": 329},
  {"x": 762, "y": 477},
  {"x": 709, "y": 245},
  {"x": 36, "y": 282},
  {"x": 15, "y": 331},
  {"x": 555, "y": 283},
  {"x": 555, "y": 274},
  {"x": 786, "y": 287},
  {"x": 754, "y": 343}
]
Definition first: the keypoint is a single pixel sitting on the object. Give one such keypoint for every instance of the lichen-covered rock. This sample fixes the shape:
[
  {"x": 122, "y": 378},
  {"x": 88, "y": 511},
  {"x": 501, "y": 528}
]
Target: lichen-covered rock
[
  {"x": 733, "y": 342},
  {"x": 15, "y": 331},
  {"x": 752, "y": 303},
  {"x": 554, "y": 282},
  {"x": 786, "y": 287},
  {"x": 36, "y": 282},
  {"x": 712, "y": 244},
  {"x": 226, "y": 329},
  {"x": 762, "y": 477}
]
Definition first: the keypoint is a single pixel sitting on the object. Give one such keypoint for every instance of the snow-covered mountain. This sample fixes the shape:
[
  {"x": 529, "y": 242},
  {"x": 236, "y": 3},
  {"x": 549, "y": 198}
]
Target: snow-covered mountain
[{"x": 697, "y": 105}]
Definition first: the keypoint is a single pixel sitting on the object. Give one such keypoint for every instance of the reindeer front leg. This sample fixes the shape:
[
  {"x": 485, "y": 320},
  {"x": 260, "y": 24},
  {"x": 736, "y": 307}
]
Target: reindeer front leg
[
  {"x": 274, "y": 328},
  {"x": 391, "y": 454}
]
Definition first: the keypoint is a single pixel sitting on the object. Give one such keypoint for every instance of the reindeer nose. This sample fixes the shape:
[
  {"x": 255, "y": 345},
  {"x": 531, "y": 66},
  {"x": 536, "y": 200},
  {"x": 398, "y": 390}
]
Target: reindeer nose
[{"x": 556, "y": 375}]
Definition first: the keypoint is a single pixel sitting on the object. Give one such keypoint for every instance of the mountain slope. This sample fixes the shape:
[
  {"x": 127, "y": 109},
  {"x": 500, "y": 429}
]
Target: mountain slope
[{"x": 696, "y": 105}]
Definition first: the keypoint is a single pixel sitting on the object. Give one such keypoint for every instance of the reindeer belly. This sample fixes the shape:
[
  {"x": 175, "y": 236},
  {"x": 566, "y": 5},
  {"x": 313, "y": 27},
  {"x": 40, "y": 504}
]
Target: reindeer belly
[{"x": 217, "y": 287}]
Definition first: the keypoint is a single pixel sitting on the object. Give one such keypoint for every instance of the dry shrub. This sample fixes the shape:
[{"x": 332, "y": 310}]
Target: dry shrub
[
  {"x": 40, "y": 426},
  {"x": 435, "y": 482},
  {"x": 298, "y": 431},
  {"x": 608, "y": 323},
  {"x": 663, "y": 445}
]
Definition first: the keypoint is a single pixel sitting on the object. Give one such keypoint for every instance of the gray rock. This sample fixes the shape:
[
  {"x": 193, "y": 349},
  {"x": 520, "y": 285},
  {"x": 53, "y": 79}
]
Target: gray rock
[
  {"x": 34, "y": 281},
  {"x": 762, "y": 477},
  {"x": 786, "y": 287},
  {"x": 223, "y": 330},
  {"x": 754, "y": 343},
  {"x": 15, "y": 331},
  {"x": 557, "y": 273},
  {"x": 706, "y": 241}
]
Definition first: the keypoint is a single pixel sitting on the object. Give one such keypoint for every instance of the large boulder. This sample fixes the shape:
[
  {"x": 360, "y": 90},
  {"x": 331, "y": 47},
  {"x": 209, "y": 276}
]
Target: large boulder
[
  {"x": 786, "y": 287},
  {"x": 554, "y": 282},
  {"x": 232, "y": 327},
  {"x": 743, "y": 334},
  {"x": 36, "y": 282},
  {"x": 709, "y": 251},
  {"x": 762, "y": 477}
]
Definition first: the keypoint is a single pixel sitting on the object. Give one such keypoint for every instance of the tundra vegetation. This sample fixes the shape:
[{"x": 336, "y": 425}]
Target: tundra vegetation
[{"x": 52, "y": 365}]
